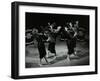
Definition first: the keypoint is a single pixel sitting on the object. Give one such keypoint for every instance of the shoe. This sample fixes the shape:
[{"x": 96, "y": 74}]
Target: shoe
[
  {"x": 75, "y": 53},
  {"x": 47, "y": 55},
  {"x": 40, "y": 65}
]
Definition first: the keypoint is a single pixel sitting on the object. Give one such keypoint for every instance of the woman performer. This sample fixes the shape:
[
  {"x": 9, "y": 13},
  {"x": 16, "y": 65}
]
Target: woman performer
[
  {"x": 28, "y": 40},
  {"x": 52, "y": 39},
  {"x": 29, "y": 37},
  {"x": 71, "y": 40},
  {"x": 41, "y": 46},
  {"x": 52, "y": 42}
]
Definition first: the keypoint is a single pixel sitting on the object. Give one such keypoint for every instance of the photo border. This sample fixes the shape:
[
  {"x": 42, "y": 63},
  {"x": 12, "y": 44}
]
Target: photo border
[{"x": 15, "y": 39}]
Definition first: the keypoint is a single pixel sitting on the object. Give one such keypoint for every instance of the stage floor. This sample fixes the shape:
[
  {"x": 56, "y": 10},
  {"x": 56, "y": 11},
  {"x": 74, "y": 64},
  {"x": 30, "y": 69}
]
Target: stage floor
[{"x": 82, "y": 57}]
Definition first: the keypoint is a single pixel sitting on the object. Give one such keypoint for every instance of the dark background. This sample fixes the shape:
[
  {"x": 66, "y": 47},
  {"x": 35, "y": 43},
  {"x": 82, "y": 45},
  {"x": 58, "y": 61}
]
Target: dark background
[{"x": 41, "y": 19}]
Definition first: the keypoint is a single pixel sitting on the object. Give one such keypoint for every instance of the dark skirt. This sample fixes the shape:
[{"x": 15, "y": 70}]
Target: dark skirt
[
  {"x": 71, "y": 44},
  {"x": 51, "y": 47},
  {"x": 42, "y": 50}
]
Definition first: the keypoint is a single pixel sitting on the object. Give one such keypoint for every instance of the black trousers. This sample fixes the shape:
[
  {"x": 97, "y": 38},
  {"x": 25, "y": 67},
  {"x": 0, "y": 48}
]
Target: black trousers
[
  {"x": 51, "y": 47},
  {"x": 42, "y": 50},
  {"x": 71, "y": 44}
]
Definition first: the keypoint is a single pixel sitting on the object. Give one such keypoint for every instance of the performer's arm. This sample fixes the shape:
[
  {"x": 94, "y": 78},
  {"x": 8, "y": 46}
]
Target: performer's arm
[
  {"x": 75, "y": 34},
  {"x": 66, "y": 29},
  {"x": 58, "y": 29},
  {"x": 30, "y": 43},
  {"x": 28, "y": 30},
  {"x": 48, "y": 39}
]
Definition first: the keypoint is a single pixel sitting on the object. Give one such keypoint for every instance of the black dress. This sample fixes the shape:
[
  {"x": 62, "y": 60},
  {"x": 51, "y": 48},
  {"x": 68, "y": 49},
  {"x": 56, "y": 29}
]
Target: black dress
[
  {"x": 71, "y": 41},
  {"x": 41, "y": 45},
  {"x": 52, "y": 43}
]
